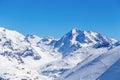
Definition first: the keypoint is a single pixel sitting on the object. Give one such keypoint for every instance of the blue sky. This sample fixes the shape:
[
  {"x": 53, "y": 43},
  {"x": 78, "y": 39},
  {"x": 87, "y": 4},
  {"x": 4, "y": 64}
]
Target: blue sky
[{"x": 56, "y": 17}]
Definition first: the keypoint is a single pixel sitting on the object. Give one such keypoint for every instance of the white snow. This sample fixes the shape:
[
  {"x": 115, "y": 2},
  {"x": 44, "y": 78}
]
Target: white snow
[
  {"x": 92, "y": 69},
  {"x": 31, "y": 57}
]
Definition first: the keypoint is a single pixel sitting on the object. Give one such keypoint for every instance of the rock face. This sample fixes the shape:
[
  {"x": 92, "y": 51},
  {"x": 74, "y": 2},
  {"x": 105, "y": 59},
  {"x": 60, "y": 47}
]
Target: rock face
[{"x": 33, "y": 57}]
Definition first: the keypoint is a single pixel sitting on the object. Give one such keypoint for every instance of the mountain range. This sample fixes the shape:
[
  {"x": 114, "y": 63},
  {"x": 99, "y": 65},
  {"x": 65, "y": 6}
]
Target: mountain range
[{"x": 78, "y": 55}]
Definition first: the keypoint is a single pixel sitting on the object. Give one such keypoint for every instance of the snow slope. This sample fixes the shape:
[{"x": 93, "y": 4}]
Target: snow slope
[
  {"x": 92, "y": 69},
  {"x": 57, "y": 68},
  {"x": 113, "y": 73}
]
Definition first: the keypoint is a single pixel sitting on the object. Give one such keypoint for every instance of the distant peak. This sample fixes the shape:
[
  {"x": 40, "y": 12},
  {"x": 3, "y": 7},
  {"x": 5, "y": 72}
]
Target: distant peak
[
  {"x": 2, "y": 29},
  {"x": 74, "y": 30}
]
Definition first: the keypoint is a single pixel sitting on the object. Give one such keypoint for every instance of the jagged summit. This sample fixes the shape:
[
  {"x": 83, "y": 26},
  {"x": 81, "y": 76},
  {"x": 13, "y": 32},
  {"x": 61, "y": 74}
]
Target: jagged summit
[
  {"x": 74, "y": 30},
  {"x": 76, "y": 38}
]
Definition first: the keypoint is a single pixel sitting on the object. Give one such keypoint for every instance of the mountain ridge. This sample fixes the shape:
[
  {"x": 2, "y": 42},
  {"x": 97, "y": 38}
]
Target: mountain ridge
[
  {"x": 51, "y": 57},
  {"x": 77, "y": 39}
]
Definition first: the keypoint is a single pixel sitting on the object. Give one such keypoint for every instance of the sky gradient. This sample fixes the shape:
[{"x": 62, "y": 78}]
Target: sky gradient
[{"x": 57, "y": 17}]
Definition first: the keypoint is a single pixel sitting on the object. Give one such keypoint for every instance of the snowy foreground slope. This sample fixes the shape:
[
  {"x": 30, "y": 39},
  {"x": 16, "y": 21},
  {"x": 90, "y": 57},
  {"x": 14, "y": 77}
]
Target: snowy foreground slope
[
  {"x": 78, "y": 55},
  {"x": 92, "y": 69}
]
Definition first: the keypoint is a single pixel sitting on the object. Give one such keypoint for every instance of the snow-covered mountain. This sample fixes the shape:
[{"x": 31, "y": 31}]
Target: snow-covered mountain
[
  {"x": 18, "y": 54},
  {"x": 32, "y": 57},
  {"x": 76, "y": 39}
]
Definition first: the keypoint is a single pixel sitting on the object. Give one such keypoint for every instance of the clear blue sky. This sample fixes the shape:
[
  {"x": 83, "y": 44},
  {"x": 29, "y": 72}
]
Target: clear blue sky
[{"x": 56, "y": 17}]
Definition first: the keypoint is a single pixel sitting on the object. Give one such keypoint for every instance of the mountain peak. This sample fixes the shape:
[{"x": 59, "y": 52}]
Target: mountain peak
[
  {"x": 76, "y": 39},
  {"x": 2, "y": 29},
  {"x": 74, "y": 30}
]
